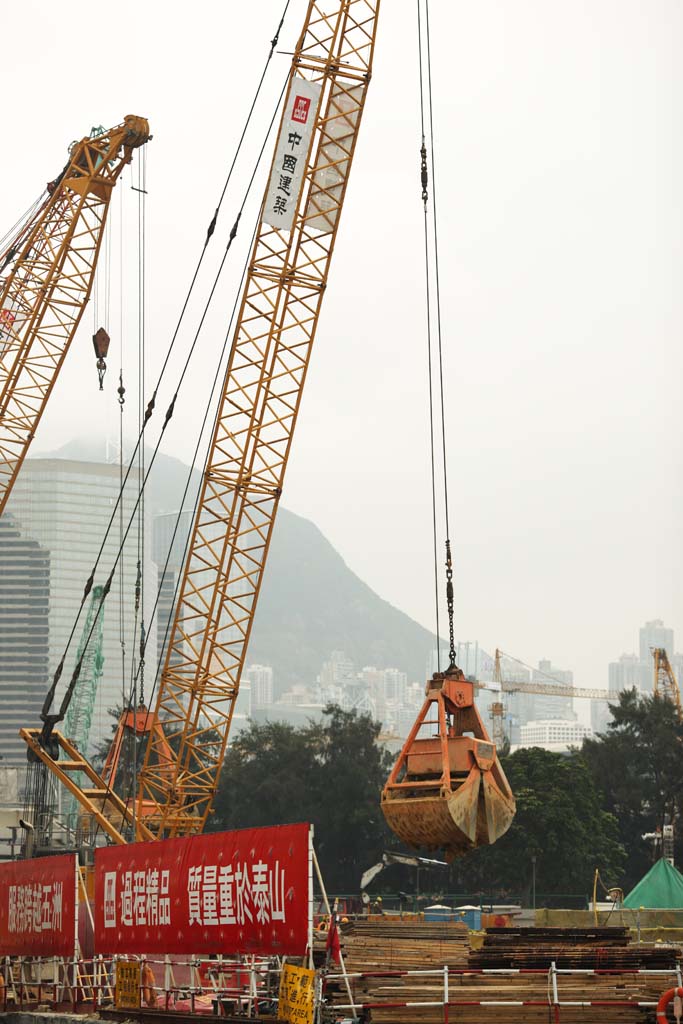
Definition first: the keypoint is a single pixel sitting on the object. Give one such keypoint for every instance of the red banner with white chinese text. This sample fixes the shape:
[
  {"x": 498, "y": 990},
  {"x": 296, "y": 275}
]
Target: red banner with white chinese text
[
  {"x": 229, "y": 892},
  {"x": 38, "y": 906}
]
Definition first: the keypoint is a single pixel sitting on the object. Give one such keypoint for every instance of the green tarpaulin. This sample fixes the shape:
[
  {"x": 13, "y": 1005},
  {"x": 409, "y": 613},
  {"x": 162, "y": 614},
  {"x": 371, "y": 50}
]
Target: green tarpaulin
[{"x": 661, "y": 888}]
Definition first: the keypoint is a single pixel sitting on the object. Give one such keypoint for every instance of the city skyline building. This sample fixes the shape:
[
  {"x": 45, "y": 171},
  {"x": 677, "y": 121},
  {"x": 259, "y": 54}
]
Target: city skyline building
[
  {"x": 260, "y": 679},
  {"x": 24, "y": 634},
  {"x": 169, "y": 544},
  {"x": 554, "y": 734},
  {"x": 66, "y": 506},
  {"x": 637, "y": 670}
]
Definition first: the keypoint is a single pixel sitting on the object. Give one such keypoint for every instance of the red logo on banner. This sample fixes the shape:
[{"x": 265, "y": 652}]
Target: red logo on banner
[
  {"x": 300, "y": 110},
  {"x": 228, "y": 892},
  {"x": 38, "y": 907}
]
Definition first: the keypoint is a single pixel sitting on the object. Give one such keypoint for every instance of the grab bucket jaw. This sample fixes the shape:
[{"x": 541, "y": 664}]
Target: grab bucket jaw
[{"x": 447, "y": 791}]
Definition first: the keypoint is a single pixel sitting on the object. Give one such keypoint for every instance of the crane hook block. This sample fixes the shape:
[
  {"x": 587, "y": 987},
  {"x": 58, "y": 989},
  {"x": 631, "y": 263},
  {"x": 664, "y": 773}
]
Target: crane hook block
[
  {"x": 100, "y": 342},
  {"x": 447, "y": 789}
]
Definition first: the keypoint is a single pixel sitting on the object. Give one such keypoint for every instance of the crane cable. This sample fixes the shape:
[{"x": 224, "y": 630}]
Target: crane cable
[
  {"x": 50, "y": 720},
  {"x": 11, "y": 240},
  {"x": 218, "y": 376},
  {"x": 140, "y": 572},
  {"x": 121, "y": 399},
  {"x": 425, "y": 167},
  {"x": 170, "y": 410}
]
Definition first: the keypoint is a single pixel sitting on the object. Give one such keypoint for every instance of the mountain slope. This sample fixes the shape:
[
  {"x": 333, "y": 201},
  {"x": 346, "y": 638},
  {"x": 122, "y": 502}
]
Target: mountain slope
[{"x": 310, "y": 604}]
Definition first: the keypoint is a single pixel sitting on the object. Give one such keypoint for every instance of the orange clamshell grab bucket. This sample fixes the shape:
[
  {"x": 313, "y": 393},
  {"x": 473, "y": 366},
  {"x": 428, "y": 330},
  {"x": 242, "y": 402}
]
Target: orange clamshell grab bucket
[{"x": 448, "y": 791}]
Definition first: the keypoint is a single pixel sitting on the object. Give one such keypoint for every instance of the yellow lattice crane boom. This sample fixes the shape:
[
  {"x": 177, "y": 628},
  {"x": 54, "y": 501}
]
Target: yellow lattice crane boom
[
  {"x": 258, "y": 410},
  {"x": 259, "y": 407},
  {"x": 49, "y": 271},
  {"x": 666, "y": 684}
]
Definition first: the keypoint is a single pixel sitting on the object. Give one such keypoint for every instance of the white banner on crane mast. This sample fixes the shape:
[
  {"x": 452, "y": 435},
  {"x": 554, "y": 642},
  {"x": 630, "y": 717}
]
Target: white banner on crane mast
[{"x": 291, "y": 154}]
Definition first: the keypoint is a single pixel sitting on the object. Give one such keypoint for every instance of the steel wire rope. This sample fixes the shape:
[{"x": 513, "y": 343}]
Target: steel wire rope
[
  {"x": 19, "y": 227},
  {"x": 141, "y": 191},
  {"x": 139, "y": 578},
  {"x": 425, "y": 197},
  {"x": 121, "y": 391},
  {"x": 439, "y": 332},
  {"x": 437, "y": 281},
  {"x": 169, "y": 413},
  {"x": 151, "y": 404},
  {"x": 218, "y": 376},
  {"x": 539, "y": 671}
]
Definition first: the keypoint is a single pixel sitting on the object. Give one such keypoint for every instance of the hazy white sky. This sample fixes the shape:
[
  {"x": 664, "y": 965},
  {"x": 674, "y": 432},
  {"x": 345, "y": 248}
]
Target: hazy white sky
[{"x": 559, "y": 182}]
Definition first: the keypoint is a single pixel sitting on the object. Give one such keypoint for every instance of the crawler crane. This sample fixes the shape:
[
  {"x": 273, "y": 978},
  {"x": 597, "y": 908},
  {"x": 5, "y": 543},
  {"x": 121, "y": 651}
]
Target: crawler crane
[
  {"x": 288, "y": 271},
  {"x": 461, "y": 791}
]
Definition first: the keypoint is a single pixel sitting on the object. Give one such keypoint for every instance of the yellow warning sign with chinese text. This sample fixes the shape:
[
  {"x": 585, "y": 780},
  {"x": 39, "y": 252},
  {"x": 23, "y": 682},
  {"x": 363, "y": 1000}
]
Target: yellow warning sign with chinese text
[
  {"x": 127, "y": 984},
  {"x": 297, "y": 995}
]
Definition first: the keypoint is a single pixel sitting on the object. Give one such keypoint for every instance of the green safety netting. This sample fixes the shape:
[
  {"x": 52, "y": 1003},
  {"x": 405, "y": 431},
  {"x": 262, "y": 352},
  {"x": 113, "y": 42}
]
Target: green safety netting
[{"x": 660, "y": 888}]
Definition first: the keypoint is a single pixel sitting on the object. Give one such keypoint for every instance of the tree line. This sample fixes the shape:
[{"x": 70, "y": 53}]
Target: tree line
[{"x": 576, "y": 812}]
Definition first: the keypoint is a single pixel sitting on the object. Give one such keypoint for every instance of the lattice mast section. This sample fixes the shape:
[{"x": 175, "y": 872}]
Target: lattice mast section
[
  {"x": 43, "y": 296},
  {"x": 666, "y": 684},
  {"x": 258, "y": 411},
  {"x": 78, "y": 718}
]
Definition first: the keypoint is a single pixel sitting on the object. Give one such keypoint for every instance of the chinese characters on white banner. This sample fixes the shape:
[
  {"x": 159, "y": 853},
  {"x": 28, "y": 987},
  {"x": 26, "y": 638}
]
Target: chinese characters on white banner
[{"x": 291, "y": 154}]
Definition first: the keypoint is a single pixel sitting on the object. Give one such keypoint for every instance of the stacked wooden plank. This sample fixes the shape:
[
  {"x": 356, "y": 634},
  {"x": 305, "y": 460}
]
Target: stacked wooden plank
[
  {"x": 590, "y": 948},
  {"x": 374, "y": 949},
  {"x": 393, "y": 945}
]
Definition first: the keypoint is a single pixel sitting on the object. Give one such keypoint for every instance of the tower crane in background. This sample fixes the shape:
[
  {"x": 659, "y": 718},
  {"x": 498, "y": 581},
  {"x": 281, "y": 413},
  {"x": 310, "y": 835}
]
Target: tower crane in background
[
  {"x": 187, "y": 733},
  {"x": 90, "y": 658},
  {"x": 46, "y": 277},
  {"x": 42, "y": 792},
  {"x": 666, "y": 684},
  {"x": 553, "y": 688}
]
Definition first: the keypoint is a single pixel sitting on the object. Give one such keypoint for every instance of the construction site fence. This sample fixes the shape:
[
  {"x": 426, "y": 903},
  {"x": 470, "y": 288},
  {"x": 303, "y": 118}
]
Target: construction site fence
[
  {"x": 553, "y": 1001},
  {"x": 88, "y": 985}
]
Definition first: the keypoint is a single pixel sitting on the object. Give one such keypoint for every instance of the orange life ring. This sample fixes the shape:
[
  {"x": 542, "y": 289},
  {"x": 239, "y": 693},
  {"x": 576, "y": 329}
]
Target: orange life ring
[{"x": 664, "y": 1002}]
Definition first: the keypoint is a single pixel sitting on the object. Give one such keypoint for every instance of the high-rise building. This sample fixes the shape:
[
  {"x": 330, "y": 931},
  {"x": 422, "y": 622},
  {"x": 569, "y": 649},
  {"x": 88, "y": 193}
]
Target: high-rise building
[
  {"x": 527, "y": 707},
  {"x": 548, "y": 707},
  {"x": 169, "y": 544},
  {"x": 395, "y": 685},
  {"x": 24, "y": 648},
  {"x": 637, "y": 670},
  {"x": 338, "y": 671},
  {"x": 65, "y": 507},
  {"x": 554, "y": 734},
  {"x": 261, "y": 681}
]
